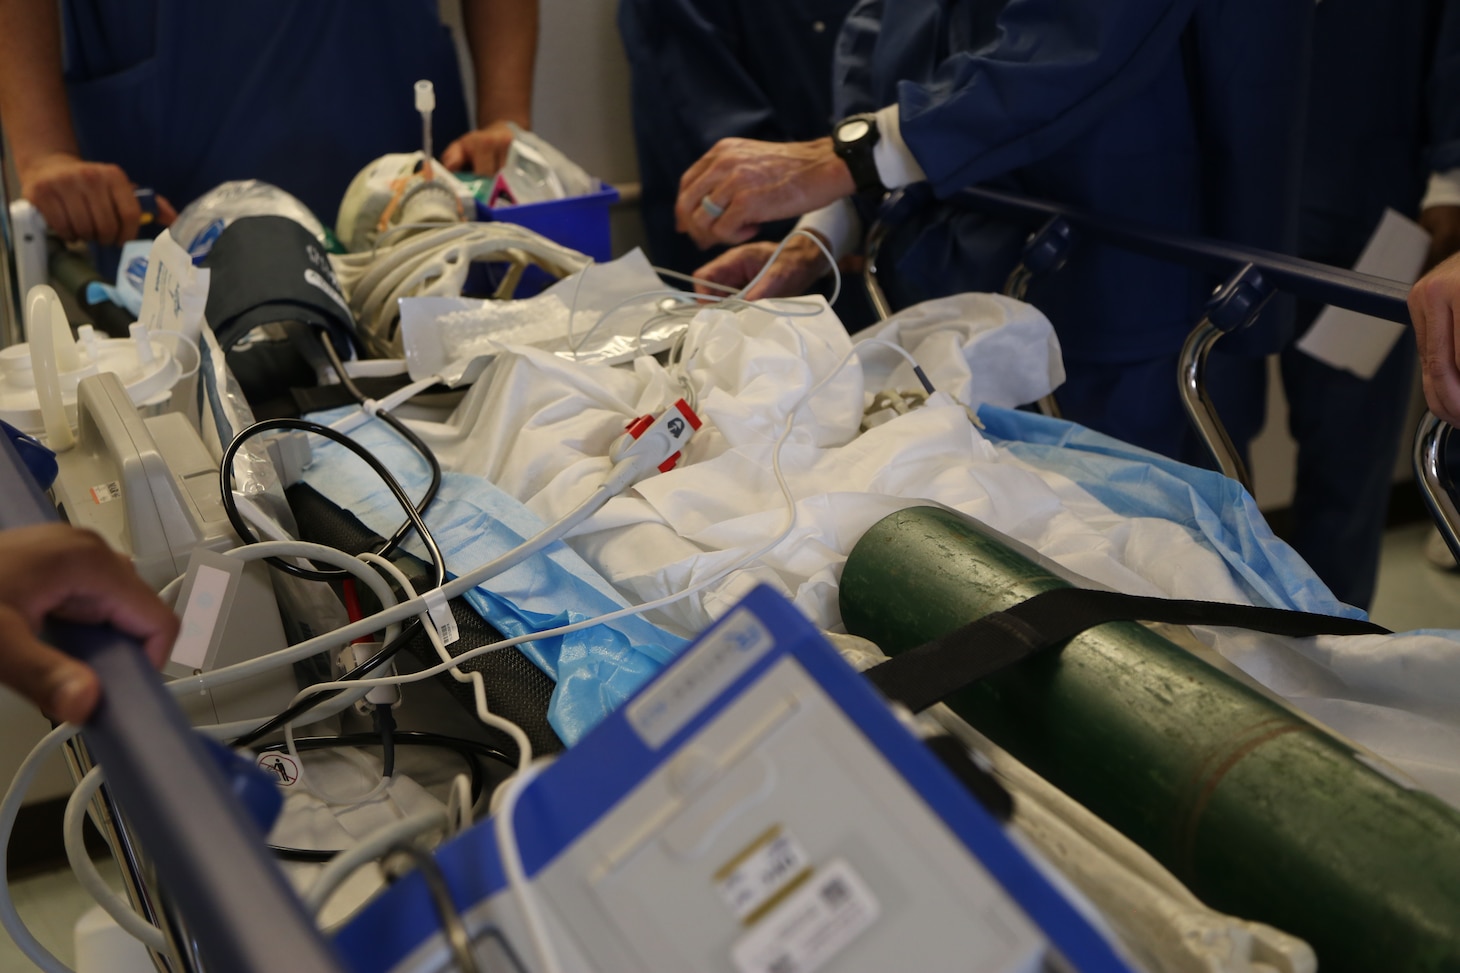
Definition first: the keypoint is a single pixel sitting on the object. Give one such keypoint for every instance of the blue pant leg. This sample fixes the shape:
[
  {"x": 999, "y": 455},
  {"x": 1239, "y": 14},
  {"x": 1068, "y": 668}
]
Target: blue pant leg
[
  {"x": 1140, "y": 403},
  {"x": 1349, "y": 433}
]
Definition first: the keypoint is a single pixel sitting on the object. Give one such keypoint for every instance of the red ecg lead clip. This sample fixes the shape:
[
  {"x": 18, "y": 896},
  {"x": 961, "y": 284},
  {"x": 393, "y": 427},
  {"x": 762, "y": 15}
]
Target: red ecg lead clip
[{"x": 668, "y": 432}]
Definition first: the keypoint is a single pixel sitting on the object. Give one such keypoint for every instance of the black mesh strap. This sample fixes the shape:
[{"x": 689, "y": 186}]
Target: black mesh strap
[{"x": 922, "y": 676}]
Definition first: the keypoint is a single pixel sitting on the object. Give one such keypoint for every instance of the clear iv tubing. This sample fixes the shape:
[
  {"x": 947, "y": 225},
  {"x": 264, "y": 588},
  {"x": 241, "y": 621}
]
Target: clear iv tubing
[
  {"x": 466, "y": 582},
  {"x": 696, "y": 301},
  {"x": 700, "y": 585},
  {"x": 25, "y": 776}
]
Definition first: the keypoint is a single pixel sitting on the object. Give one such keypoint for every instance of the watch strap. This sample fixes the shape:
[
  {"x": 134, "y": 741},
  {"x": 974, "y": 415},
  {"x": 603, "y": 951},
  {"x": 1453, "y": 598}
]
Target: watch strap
[{"x": 857, "y": 153}]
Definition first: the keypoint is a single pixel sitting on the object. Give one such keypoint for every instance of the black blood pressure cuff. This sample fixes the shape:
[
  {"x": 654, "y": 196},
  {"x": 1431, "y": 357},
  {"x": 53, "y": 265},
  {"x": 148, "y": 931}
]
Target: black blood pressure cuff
[
  {"x": 270, "y": 269},
  {"x": 272, "y": 297}
]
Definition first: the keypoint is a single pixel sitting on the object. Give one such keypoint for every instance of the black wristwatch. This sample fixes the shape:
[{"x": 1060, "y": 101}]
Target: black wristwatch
[{"x": 853, "y": 138}]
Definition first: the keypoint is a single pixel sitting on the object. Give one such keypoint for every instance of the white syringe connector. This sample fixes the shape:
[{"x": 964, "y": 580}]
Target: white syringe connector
[{"x": 425, "y": 104}]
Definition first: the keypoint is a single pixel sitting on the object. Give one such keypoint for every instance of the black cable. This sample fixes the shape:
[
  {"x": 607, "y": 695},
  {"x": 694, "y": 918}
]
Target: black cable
[
  {"x": 408, "y": 632},
  {"x": 385, "y": 726},
  {"x": 414, "y": 513},
  {"x": 414, "y": 520},
  {"x": 401, "y": 429}
]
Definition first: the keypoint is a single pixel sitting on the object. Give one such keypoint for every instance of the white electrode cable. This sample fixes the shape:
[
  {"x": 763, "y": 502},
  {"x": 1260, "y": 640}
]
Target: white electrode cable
[
  {"x": 25, "y": 775},
  {"x": 697, "y": 586},
  {"x": 90, "y": 878},
  {"x": 475, "y": 679},
  {"x": 356, "y": 418},
  {"x": 9, "y": 808},
  {"x": 397, "y": 613},
  {"x": 504, "y": 827}
]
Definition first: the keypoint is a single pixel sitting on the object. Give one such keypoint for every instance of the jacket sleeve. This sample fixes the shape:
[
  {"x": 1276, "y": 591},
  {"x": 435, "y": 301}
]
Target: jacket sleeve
[{"x": 1053, "y": 68}]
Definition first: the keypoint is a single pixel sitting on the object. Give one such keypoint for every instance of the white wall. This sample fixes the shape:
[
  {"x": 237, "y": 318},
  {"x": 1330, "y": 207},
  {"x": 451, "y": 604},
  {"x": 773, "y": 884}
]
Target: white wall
[
  {"x": 581, "y": 97},
  {"x": 581, "y": 92}
]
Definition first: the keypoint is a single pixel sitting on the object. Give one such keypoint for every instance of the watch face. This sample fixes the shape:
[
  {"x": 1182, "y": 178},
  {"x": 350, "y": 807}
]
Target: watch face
[{"x": 853, "y": 129}]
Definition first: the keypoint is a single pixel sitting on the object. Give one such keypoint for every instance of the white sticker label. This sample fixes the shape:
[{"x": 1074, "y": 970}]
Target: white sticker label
[
  {"x": 813, "y": 925},
  {"x": 200, "y": 616},
  {"x": 441, "y": 616},
  {"x": 281, "y": 766},
  {"x": 756, "y": 877},
  {"x": 106, "y": 492},
  {"x": 722, "y": 657}
]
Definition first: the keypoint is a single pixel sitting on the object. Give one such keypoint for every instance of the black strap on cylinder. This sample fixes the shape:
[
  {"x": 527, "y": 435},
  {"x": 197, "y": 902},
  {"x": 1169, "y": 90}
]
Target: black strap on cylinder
[{"x": 935, "y": 670}]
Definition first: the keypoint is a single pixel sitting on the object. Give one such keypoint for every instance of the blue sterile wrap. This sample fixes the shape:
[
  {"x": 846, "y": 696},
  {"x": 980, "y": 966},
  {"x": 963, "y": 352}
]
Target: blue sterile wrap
[
  {"x": 596, "y": 668},
  {"x": 1135, "y": 483}
]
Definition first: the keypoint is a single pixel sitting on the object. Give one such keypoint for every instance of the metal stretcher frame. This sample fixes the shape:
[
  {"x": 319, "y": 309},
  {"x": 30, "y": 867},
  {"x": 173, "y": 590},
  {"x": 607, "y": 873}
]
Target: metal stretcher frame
[
  {"x": 1251, "y": 277},
  {"x": 232, "y": 899}
]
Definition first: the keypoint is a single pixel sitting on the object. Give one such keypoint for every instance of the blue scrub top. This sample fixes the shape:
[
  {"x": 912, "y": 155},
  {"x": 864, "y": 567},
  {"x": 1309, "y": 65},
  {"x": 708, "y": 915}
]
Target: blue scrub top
[
  {"x": 1180, "y": 114},
  {"x": 704, "y": 70},
  {"x": 184, "y": 95}
]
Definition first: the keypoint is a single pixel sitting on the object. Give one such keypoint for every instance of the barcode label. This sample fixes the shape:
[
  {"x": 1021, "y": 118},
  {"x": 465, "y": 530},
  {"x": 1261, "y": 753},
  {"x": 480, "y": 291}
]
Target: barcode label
[
  {"x": 757, "y": 875},
  {"x": 811, "y": 926}
]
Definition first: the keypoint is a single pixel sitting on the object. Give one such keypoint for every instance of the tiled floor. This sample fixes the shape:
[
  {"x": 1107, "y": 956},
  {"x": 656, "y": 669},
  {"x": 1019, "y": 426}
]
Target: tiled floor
[
  {"x": 1411, "y": 594},
  {"x": 50, "y": 904}
]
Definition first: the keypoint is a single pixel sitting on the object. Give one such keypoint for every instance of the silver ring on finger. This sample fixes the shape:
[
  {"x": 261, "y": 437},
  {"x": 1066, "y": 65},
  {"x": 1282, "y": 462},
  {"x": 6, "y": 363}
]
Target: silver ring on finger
[{"x": 710, "y": 206}]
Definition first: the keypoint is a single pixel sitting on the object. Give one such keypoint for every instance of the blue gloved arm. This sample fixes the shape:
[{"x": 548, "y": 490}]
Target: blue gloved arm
[{"x": 1053, "y": 69}]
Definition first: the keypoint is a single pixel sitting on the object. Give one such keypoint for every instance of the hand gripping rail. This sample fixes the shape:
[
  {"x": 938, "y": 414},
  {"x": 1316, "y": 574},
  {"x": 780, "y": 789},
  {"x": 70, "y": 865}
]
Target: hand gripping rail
[
  {"x": 208, "y": 854},
  {"x": 1250, "y": 277}
]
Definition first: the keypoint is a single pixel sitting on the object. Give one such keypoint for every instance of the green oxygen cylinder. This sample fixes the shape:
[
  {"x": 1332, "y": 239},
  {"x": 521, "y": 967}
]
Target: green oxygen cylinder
[{"x": 1259, "y": 812}]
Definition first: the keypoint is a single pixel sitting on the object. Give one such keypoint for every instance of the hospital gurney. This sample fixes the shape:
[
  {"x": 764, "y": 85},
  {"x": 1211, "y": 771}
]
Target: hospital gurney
[
  {"x": 1250, "y": 278},
  {"x": 534, "y": 423},
  {"x": 824, "y": 348},
  {"x": 196, "y": 829}
]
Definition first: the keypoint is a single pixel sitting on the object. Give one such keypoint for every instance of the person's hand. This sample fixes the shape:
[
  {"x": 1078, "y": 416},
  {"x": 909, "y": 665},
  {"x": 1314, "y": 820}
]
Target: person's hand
[
  {"x": 1434, "y": 306},
  {"x": 83, "y": 200},
  {"x": 800, "y": 265},
  {"x": 60, "y": 571},
  {"x": 483, "y": 151},
  {"x": 1443, "y": 224},
  {"x": 748, "y": 183}
]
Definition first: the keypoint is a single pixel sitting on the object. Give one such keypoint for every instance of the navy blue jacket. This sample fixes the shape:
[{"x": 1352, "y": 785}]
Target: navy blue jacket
[
  {"x": 1374, "y": 135},
  {"x": 185, "y": 95},
  {"x": 704, "y": 70},
  {"x": 1181, "y": 114}
]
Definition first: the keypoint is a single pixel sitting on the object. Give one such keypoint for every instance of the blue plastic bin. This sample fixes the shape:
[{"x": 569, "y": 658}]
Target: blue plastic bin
[{"x": 580, "y": 222}]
